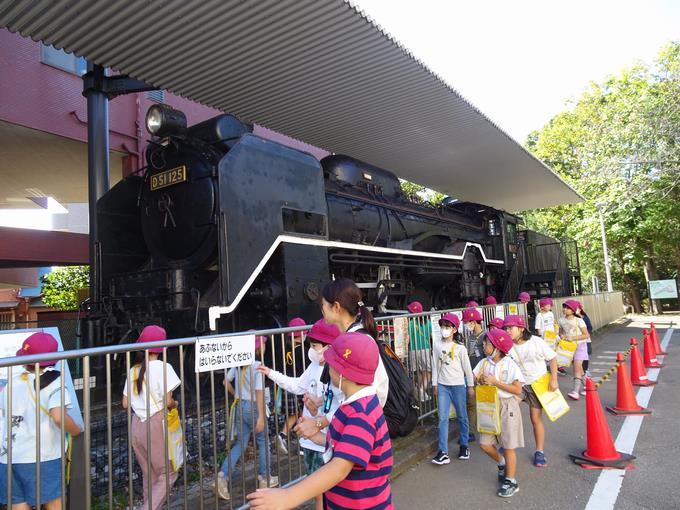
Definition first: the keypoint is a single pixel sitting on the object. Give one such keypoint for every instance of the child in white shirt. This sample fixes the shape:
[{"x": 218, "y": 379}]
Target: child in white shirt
[
  {"x": 309, "y": 384},
  {"x": 451, "y": 376},
  {"x": 531, "y": 354},
  {"x": 499, "y": 370},
  {"x": 574, "y": 329},
  {"x": 24, "y": 399}
]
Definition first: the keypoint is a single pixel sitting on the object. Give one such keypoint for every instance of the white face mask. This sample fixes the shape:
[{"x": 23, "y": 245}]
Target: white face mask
[
  {"x": 447, "y": 332},
  {"x": 314, "y": 355},
  {"x": 470, "y": 327},
  {"x": 337, "y": 391}
]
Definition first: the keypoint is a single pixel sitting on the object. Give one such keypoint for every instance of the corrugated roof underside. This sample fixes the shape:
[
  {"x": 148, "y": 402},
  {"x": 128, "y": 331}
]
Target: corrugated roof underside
[{"x": 317, "y": 71}]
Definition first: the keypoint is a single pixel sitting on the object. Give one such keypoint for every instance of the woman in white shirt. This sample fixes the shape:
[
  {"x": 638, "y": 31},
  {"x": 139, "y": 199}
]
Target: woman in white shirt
[{"x": 152, "y": 448}]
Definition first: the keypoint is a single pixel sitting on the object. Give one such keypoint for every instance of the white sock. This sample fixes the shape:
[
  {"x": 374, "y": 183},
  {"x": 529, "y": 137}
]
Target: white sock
[{"x": 502, "y": 462}]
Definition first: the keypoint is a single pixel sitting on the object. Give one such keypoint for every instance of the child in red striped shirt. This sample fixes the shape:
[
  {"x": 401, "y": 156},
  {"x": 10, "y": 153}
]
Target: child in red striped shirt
[{"x": 358, "y": 449}]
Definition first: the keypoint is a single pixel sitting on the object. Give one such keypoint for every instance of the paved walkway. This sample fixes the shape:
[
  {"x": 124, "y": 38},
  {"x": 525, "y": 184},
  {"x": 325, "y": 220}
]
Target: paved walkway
[{"x": 654, "y": 483}]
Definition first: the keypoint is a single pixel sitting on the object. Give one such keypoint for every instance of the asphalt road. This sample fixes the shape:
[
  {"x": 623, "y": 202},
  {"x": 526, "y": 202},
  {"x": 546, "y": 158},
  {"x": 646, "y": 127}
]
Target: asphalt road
[{"x": 653, "y": 484}]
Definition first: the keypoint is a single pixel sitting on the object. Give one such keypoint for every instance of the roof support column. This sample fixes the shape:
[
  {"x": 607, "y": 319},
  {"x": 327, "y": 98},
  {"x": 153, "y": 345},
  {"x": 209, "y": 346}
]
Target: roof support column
[{"x": 97, "y": 162}]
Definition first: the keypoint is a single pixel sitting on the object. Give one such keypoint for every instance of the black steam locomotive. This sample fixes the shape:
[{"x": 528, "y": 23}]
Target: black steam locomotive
[{"x": 228, "y": 230}]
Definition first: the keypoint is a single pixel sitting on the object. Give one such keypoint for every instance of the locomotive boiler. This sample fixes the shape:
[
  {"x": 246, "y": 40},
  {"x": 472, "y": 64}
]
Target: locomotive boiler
[{"x": 227, "y": 230}]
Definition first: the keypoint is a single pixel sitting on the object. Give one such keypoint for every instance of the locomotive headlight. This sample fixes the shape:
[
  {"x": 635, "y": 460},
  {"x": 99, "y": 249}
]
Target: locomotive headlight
[{"x": 162, "y": 120}]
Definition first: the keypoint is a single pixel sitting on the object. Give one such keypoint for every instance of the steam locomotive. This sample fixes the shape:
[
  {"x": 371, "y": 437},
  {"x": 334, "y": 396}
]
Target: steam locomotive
[{"x": 226, "y": 230}]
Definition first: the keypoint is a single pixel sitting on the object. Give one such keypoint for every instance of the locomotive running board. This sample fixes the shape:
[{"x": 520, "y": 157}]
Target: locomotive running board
[{"x": 215, "y": 312}]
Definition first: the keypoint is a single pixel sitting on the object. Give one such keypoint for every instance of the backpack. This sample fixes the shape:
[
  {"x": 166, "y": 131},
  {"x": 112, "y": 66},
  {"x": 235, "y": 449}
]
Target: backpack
[{"x": 401, "y": 409}]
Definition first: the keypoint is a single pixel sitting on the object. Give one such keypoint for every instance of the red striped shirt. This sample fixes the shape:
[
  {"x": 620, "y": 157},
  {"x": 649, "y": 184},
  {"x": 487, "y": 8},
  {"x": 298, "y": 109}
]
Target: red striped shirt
[{"x": 358, "y": 433}]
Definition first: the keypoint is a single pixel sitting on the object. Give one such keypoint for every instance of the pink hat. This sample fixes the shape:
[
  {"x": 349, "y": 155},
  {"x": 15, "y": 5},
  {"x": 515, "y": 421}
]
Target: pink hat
[
  {"x": 472, "y": 314},
  {"x": 450, "y": 317},
  {"x": 153, "y": 333},
  {"x": 415, "y": 307},
  {"x": 296, "y": 322},
  {"x": 496, "y": 322},
  {"x": 545, "y": 302},
  {"x": 572, "y": 304},
  {"x": 260, "y": 340},
  {"x": 323, "y": 332},
  {"x": 524, "y": 297},
  {"x": 500, "y": 340},
  {"x": 471, "y": 304},
  {"x": 354, "y": 356},
  {"x": 490, "y": 300},
  {"x": 39, "y": 343},
  {"x": 514, "y": 320}
]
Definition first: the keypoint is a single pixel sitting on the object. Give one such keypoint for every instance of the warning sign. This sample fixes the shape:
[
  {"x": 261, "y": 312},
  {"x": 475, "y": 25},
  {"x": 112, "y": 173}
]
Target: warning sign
[{"x": 221, "y": 352}]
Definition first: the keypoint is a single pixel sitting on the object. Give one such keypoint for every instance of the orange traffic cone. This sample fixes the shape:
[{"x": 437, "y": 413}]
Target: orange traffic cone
[
  {"x": 600, "y": 450},
  {"x": 657, "y": 344},
  {"x": 638, "y": 374},
  {"x": 626, "y": 403},
  {"x": 650, "y": 353}
]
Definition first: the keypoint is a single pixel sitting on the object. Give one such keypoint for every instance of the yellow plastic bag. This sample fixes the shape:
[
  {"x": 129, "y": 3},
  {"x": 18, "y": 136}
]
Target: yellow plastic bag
[
  {"x": 488, "y": 409},
  {"x": 565, "y": 352},
  {"x": 554, "y": 404}
]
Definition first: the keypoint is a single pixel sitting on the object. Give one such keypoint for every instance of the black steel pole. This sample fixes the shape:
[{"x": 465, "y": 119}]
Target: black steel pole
[{"x": 97, "y": 163}]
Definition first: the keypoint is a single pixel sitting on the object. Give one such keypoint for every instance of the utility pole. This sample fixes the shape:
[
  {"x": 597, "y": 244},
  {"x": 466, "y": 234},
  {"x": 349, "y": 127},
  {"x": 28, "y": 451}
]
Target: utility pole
[{"x": 610, "y": 287}]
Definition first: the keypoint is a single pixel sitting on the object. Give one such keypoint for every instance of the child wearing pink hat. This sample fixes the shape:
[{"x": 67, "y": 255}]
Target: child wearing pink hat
[
  {"x": 545, "y": 321},
  {"x": 499, "y": 370},
  {"x": 248, "y": 383},
  {"x": 24, "y": 401},
  {"x": 143, "y": 377},
  {"x": 531, "y": 353},
  {"x": 358, "y": 447},
  {"x": 309, "y": 384},
  {"x": 574, "y": 329},
  {"x": 452, "y": 377},
  {"x": 420, "y": 357}
]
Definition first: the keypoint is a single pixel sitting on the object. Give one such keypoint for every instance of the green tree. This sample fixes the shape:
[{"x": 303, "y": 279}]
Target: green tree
[
  {"x": 618, "y": 144},
  {"x": 60, "y": 287}
]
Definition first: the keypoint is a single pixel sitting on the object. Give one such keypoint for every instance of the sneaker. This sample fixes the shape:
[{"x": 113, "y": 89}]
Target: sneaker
[
  {"x": 501, "y": 473},
  {"x": 583, "y": 392},
  {"x": 281, "y": 440},
  {"x": 540, "y": 460},
  {"x": 441, "y": 458},
  {"x": 262, "y": 482},
  {"x": 508, "y": 489},
  {"x": 574, "y": 395},
  {"x": 561, "y": 371},
  {"x": 222, "y": 487},
  {"x": 464, "y": 453}
]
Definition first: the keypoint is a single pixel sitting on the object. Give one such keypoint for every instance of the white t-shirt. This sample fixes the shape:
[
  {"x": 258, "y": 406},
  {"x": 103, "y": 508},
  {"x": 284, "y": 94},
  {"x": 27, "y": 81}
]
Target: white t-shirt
[
  {"x": 545, "y": 321},
  {"x": 531, "y": 357},
  {"x": 24, "y": 427},
  {"x": 573, "y": 327},
  {"x": 451, "y": 369},
  {"x": 506, "y": 371},
  {"x": 308, "y": 382},
  {"x": 155, "y": 379},
  {"x": 242, "y": 377}
]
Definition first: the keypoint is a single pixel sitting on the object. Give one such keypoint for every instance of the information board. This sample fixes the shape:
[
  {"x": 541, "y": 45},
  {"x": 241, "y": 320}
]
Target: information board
[{"x": 663, "y": 289}]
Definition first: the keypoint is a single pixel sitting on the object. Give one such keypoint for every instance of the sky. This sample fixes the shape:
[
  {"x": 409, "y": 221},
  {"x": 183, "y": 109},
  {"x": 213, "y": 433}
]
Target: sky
[{"x": 519, "y": 61}]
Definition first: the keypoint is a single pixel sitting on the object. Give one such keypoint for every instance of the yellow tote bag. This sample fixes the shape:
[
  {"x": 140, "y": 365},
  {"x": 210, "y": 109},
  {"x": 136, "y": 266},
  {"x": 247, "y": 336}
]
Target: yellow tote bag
[
  {"x": 488, "y": 409},
  {"x": 565, "y": 352},
  {"x": 550, "y": 337},
  {"x": 554, "y": 404}
]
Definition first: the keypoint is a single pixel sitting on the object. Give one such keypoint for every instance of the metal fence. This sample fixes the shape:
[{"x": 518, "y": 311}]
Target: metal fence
[
  {"x": 106, "y": 475},
  {"x": 602, "y": 308}
]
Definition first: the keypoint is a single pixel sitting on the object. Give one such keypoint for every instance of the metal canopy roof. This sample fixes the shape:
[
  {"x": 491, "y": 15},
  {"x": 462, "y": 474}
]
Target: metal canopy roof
[{"x": 317, "y": 71}]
